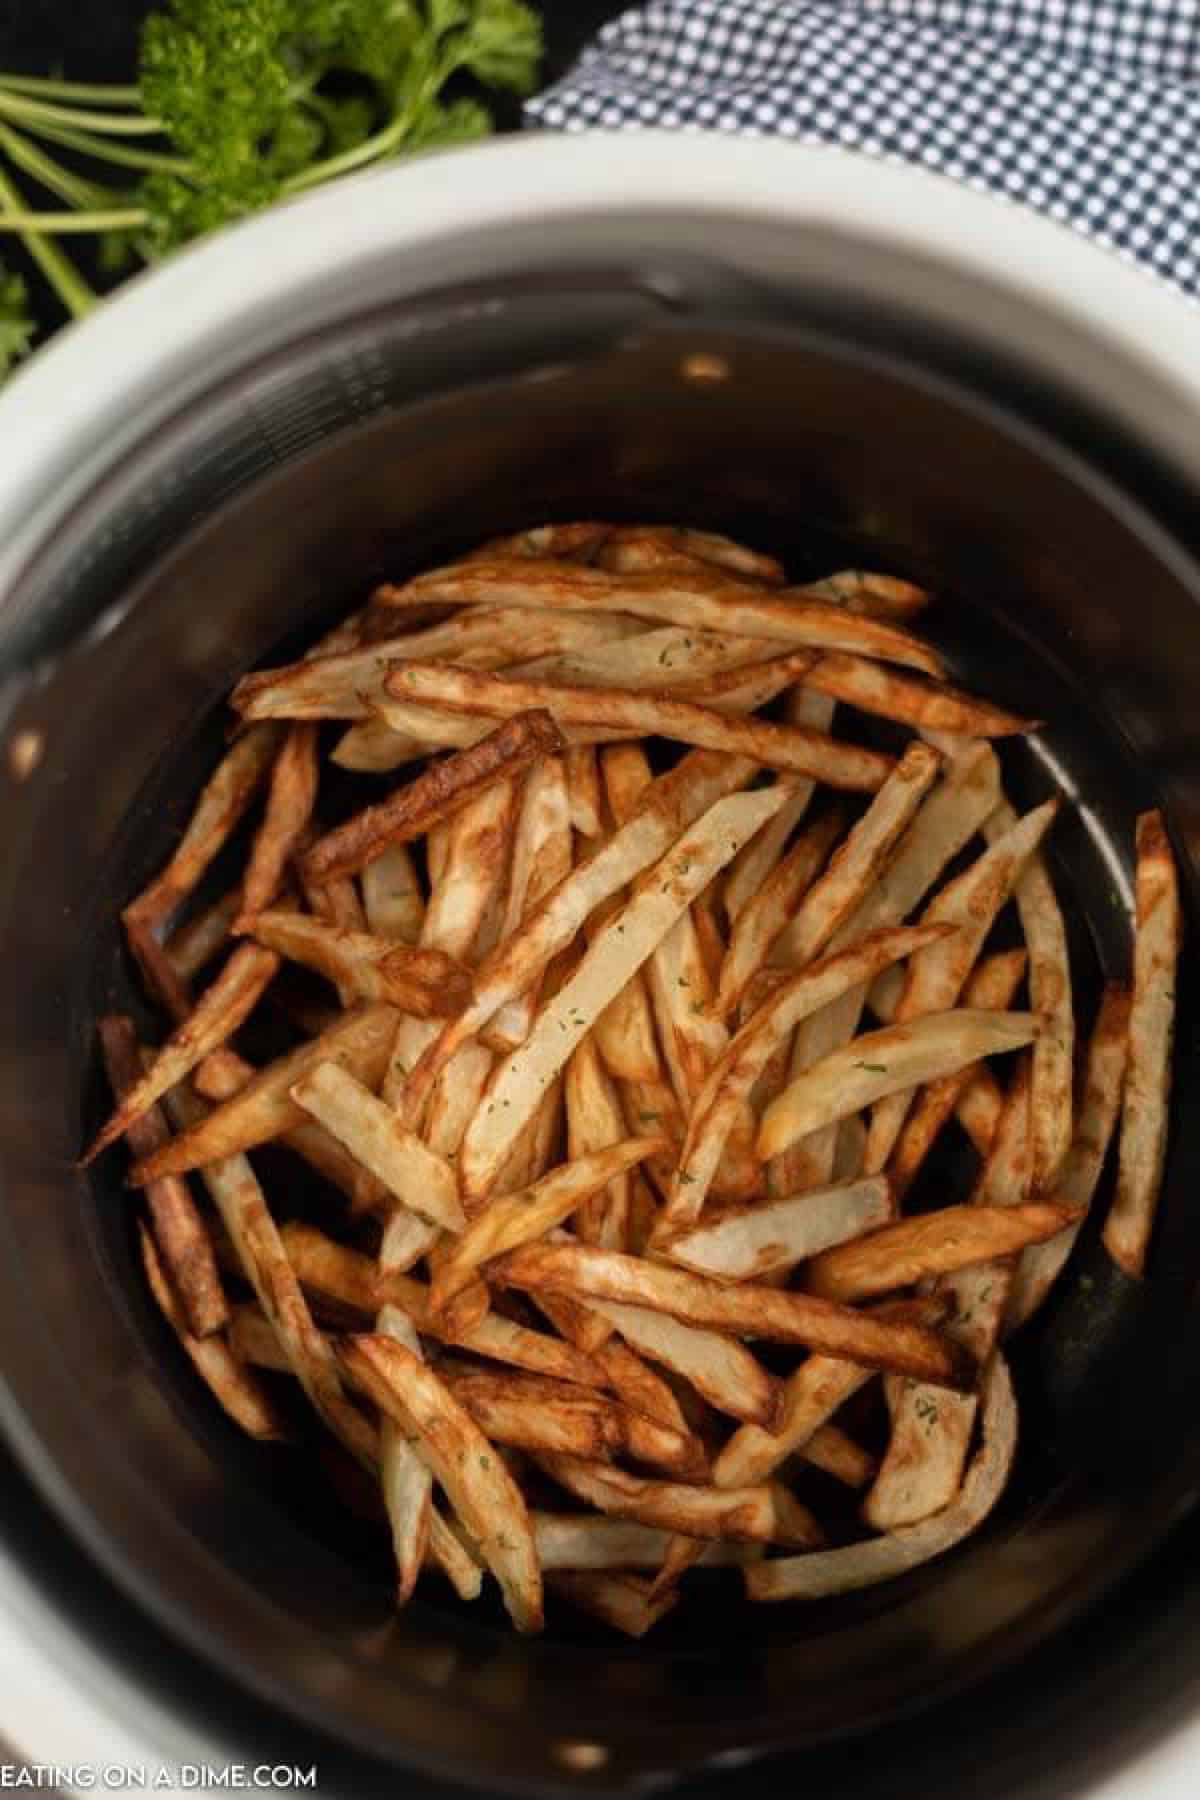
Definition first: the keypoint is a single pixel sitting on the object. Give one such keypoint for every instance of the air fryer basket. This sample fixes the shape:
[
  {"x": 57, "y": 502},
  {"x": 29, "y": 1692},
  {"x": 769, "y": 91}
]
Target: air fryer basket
[{"x": 833, "y": 426}]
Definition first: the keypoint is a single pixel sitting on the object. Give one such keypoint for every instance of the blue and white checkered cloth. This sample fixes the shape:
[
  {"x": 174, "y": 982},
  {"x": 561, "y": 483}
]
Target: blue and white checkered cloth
[{"x": 1088, "y": 110}]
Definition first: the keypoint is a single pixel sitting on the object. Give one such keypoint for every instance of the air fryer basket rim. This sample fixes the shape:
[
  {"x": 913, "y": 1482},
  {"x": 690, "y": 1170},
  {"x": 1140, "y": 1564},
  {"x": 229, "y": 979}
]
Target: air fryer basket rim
[{"x": 4, "y": 417}]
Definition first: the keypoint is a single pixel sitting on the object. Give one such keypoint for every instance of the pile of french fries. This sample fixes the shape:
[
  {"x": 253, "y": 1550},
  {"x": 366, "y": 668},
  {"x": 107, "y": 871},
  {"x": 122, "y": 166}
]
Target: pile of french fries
[{"x": 624, "y": 1063}]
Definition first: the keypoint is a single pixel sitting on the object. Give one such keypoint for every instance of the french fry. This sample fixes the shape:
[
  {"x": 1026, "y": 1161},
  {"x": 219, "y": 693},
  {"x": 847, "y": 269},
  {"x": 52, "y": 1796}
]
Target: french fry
[
  {"x": 616, "y": 1600},
  {"x": 462, "y": 692},
  {"x": 670, "y": 806},
  {"x": 635, "y": 1383},
  {"x": 1038, "y": 1268},
  {"x": 931, "y": 1432},
  {"x": 936, "y": 977},
  {"x": 263, "y": 1260},
  {"x": 856, "y": 865},
  {"x": 392, "y": 898},
  {"x": 624, "y": 1031},
  {"x": 841, "y": 1571},
  {"x": 992, "y": 987},
  {"x": 882, "y": 596},
  {"x": 720, "y": 1369},
  {"x": 529, "y": 1412},
  {"x": 937, "y": 1243},
  {"x": 1142, "y": 1145},
  {"x": 235, "y": 1387},
  {"x": 830, "y": 1449},
  {"x": 264, "y": 1108},
  {"x": 444, "y": 789},
  {"x": 597, "y": 1541},
  {"x": 892, "y": 1061},
  {"x": 748, "y": 1514},
  {"x": 291, "y": 796},
  {"x": 541, "y": 858},
  {"x": 372, "y": 747},
  {"x": 625, "y": 943},
  {"x": 767, "y": 913},
  {"x": 873, "y": 688},
  {"x": 354, "y": 1283},
  {"x": 478, "y": 846},
  {"x": 732, "y": 1079},
  {"x": 653, "y": 659},
  {"x": 524, "y": 1216},
  {"x": 225, "y": 797},
  {"x": 450, "y": 1555},
  {"x": 1050, "y": 996},
  {"x": 630, "y": 549},
  {"x": 594, "y": 1122},
  {"x": 345, "y": 686},
  {"x": 471, "y": 1473},
  {"x": 222, "y": 1008},
  {"x": 193, "y": 946},
  {"x": 708, "y": 602},
  {"x": 584, "y": 797},
  {"x": 427, "y": 984},
  {"x": 748, "y": 1242},
  {"x": 404, "y": 1477},
  {"x": 182, "y": 1242},
  {"x": 751, "y": 1311},
  {"x": 421, "y": 1180},
  {"x": 579, "y": 539}
]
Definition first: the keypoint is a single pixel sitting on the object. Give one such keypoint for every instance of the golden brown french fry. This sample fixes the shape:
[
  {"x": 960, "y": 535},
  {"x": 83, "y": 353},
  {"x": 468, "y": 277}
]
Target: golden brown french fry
[
  {"x": 931, "y": 1431},
  {"x": 1038, "y": 1267},
  {"x": 670, "y": 806},
  {"x": 354, "y": 1283},
  {"x": 992, "y": 987},
  {"x": 236, "y": 1388},
  {"x": 937, "y": 976},
  {"x": 598, "y": 1541},
  {"x": 575, "y": 538},
  {"x": 427, "y": 984},
  {"x": 767, "y": 913},
  {"x": 1142, "y": 1146},
  {"x": 541, "y": 858},
  {"x": 709, "y": 602},
  {"x": 931, "y": 1244},
  {"x": 892, "y": 1061},
  {"x": 421, "y": 1180},
  {"x": 221, "y": 1009},
  {"x": 935, "y": 706},
  {"x": 635, "y": 1383},
  {"x": 530, "y": 1412},
  {"x": 442, "y": 790},
  {"x": 263, "y": 1260},
  {"x": 344, "y": 686},
  {"x": 392, "y": 899},
  {"x": 225, "y": 797},
  {"x": 616, "y": 1600},
  {"x": 463, "y": 692},
  {"x": 291, "y": 796},
  {"x": 622, "y": 947},
  {"x": 1050, "y": 996},
  {"x": 471, "y": 1473},
  {"x": 830, "y": 1449},
  {"x": 746, "y": 1243},
  {"x": 749, "y": 1514},
  {"x": 581, "y": 1272},
  {"x": 194, "y": 945},
  {"x": 521, "y": 1217},
  {"x": 882, "y": 1559},
  {"x": 733, "y": 1078},
  {"x": 404, "y": 1478},
  {"x": 629, "y": 549},
  {"x": 594, "y": 1122},
  {"x": 584, "y": 798},
  {"x": 653, "y": 659},
  {"x": 855, "y": 867},
  {"x": 729, "y": 1378},
  {"x": 478, "y": 848},
  {"x": 264, "y": 1108},
  {"x": 183, "y": 1242}
]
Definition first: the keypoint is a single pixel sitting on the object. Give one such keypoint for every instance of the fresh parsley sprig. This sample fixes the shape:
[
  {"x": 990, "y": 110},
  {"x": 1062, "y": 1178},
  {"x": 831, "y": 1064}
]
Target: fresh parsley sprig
[{"x": 238, "y": 104}]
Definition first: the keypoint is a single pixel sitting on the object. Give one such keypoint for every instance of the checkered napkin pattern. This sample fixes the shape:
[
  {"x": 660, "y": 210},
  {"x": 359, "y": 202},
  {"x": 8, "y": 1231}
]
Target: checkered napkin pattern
[{"x": 1088, "y": 110}]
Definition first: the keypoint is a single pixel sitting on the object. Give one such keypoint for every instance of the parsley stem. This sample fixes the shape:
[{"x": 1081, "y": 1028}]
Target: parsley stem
[
  {"x": 125, "y": 156},
  {"x": 100, "y": 93},
  {"x": 22, "y": 108},
  {"x": 74, "y": 224},
  {"x": 72, "y": 188},
  {"x": 59, "y": 271}
]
